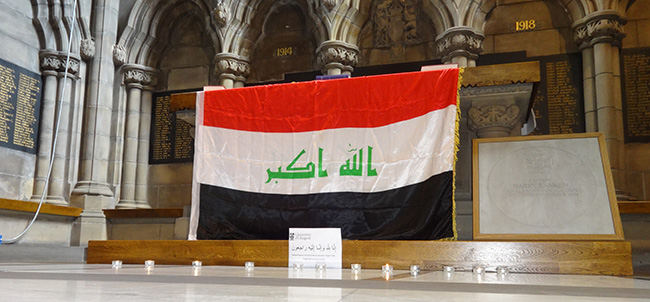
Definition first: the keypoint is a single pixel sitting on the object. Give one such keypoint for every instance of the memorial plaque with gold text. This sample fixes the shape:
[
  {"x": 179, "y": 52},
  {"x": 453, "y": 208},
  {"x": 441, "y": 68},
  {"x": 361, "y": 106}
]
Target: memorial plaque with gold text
[
  {"x": 635, "y": 77},
  {"x": 20, "y": 107},
  {"x": 171, "y": 140}
]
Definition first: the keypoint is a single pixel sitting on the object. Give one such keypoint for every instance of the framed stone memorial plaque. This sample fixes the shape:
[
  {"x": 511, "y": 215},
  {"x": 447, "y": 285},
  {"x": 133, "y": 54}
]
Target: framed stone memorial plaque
[{"x": 546, "y": 187}]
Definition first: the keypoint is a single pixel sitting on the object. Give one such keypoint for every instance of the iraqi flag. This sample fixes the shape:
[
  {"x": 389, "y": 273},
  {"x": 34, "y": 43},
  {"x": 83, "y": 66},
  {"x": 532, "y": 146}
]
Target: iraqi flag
[{"x": 373, "y": 156}]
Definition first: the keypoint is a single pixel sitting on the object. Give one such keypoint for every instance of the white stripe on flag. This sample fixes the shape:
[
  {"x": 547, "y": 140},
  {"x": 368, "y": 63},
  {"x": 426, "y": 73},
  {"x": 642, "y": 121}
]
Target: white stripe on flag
[{"x": 403, "y": 153}]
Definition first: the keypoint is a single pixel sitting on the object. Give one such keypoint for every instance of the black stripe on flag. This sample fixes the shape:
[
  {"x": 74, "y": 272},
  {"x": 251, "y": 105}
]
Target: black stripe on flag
[{"x": 422, "y": 211}]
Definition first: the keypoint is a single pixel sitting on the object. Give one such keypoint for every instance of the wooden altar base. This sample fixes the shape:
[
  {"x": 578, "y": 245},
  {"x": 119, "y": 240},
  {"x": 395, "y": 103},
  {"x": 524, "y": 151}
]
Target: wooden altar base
[{"x": 549, "y": 257}]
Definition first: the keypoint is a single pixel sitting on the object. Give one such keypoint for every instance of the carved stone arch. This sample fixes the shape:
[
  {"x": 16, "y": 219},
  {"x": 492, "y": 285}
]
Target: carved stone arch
[
  {"x": 341, "y": 22},
  {"x": 45, "y": 32},
  {"x": 146, "y": 21},
  {"x": 264, "y": 36},
  {"x": 441, "y": 15}
]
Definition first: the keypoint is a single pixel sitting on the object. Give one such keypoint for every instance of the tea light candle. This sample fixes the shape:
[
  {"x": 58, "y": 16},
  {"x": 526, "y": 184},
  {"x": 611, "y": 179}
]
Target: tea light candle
[
  {"x": 149, "y": 263},
  {"x": 478, "y": 269},
  {"x": 415, "y": 270},
  {"x": 355, "y": 267},
  {"x": 503, "y": 270},
  {"x": 249, "y": 266},
  {"x": 387, "y": 268},
  {"x": 321, "y": 266},
  {"x": 297, "y": 266},
  {"x": 116, "y": 264},
  {"x": 448, "y": 269}
]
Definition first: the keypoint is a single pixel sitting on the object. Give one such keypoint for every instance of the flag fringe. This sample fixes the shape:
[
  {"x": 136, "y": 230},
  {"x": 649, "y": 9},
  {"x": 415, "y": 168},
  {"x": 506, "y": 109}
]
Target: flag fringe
[{"x": 456, "y": 145}]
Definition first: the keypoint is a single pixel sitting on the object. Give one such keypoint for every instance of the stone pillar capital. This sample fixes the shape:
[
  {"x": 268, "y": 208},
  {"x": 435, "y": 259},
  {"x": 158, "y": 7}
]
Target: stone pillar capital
[
  {"x": 494, "y": 111},
  {"x": 53, "y": 63},
  {"x": 50, "y": 62},
  {"x": 337, "y": 54},
  {"x": 460, "y": 41},
  {"x": 600, "y": 27},
  {"x": 140, "y": 76},
  {"x": 231, "y": 64}
]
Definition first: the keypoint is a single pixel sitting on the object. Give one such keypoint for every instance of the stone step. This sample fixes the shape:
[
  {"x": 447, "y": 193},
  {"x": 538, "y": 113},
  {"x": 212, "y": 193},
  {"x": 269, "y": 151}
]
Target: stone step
[{"x": 42, "y": 253}]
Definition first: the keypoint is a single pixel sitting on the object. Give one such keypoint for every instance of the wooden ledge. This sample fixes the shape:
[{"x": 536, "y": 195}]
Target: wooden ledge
[
  {"x": 28, "y": 206},
  {"x": 634, "y": 207},
  {"x": 145, "y": 213},
  {"x": 550, "y": 257}
]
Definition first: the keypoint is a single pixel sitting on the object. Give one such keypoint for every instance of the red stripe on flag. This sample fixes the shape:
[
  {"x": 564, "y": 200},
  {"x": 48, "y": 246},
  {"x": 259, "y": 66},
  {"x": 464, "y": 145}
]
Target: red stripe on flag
[{"x": 362, "y": 102}]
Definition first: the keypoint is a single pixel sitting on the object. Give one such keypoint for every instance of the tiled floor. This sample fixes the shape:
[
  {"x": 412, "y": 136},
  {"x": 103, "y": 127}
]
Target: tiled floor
[{"x": 82, "y": 282}]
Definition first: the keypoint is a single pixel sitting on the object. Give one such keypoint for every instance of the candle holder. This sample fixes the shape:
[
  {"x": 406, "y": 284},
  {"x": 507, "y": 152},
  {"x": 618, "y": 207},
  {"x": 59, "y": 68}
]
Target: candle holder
[
  {"x": 249, "y": 266},
  {"x": 503, "y": 270},
  {"x": 415, "y": 270},
  {"x": 197, "y": 263},
  {"x": 116, "y": 264},
  {"x": 448, "y": 269},
  {"x": 479, "y": 270},
  {"x": 297, "y": 266},
  {"x": 321, "y": 267},
  {"x": 387, "y": 268},
  {"x": 149, "y": 263},
  {"x": 355, "y": 267}
]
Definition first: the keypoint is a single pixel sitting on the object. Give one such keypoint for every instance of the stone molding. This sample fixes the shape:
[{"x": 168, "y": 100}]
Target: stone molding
[
  {"x": 337, "y": 54},
  {"x": 459, "y": 42},
  {"x": 603, "y": 27},
  {"x": 227, "y": 64},
  {"x": 87, "y": 49},
  {"x": 119, "y": 54},
  {"x": 135, "y": 75}
]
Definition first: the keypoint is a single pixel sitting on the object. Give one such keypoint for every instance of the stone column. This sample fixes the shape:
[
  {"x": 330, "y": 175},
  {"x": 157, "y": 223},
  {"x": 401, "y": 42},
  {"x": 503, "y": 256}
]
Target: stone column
[
  {"x": 58, "y": 180},
  {"x": 50, "y": 63},
  {"x": 231, "y": 69},
  {"x": 142, "y": 171},
  {"x": 599, "y": 36},
  {"x": 460, "y": 45},
  {"x": 337, "y": 57},
  {"x": 92, "y": 192},
  {"x": 136, "y": 77}
]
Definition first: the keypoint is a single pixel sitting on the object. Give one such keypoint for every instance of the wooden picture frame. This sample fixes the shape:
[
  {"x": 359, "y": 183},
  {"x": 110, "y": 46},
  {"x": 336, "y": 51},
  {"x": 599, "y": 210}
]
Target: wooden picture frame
[{"x": 546, "y": 187}]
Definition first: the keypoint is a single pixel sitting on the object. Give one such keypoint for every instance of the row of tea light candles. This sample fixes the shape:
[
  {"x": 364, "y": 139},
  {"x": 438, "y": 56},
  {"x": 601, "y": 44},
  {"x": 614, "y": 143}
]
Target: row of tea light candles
[{"x": 355, "y": 267}]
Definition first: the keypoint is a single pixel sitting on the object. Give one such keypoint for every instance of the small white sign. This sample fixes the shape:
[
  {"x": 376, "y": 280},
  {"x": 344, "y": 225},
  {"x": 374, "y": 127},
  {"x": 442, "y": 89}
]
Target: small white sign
[{"x": 315, "y": 246}]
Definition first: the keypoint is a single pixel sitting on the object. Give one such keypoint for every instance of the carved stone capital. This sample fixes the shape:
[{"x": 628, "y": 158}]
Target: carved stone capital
[
  {"x": 494, "y": 111},
  {"x": 493, "y": 118},
  {"x": 50, "y": 61},
  {"x": 87, "y": 49},
  {"x": 140, "y": 75},
  {"x": 460, "y": 41},
  {"x": 337, "y": 54},
  {"x": 221, "y": 14},
  {"x": 226, "y": 63},
  {"x": 602, "y": 27},
  {"x": 119, "y": 55},
  {"x": 73, "y": 65}
]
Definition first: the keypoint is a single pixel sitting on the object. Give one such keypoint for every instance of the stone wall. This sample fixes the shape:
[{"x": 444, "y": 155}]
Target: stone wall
[{"x": 20, "y": 46}]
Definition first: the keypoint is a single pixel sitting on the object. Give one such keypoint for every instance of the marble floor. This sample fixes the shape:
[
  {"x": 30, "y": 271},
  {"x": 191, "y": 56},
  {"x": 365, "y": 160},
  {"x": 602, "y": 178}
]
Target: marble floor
[{"x": 96, "y": 282}]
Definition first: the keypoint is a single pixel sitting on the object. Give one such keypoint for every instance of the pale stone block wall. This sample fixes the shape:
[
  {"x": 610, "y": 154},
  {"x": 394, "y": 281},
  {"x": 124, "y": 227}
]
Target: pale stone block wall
[
  {"x": 170, "y": 185},
  {"x": 47, "y": 229},
  {"x": 20, "y": 46}
]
